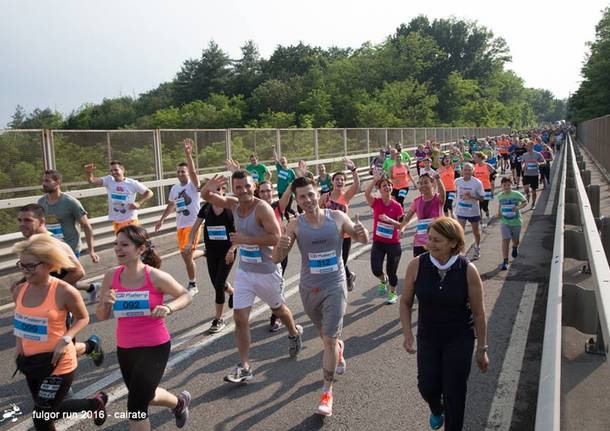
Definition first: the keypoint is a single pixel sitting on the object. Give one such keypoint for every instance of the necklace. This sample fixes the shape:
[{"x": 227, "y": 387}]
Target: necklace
[{"x": 443, "y": 268}]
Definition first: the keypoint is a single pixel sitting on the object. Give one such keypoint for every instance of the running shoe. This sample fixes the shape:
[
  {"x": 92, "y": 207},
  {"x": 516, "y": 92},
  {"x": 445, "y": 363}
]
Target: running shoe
[
  {"x": 341, "y": 363},
  {"x": 533, "y": 207},
  {"x": 392, "y": 298},
  {"x": 295, "y": 343},
  {"x": 239, "y": 374},
  {"x": 477, "y": 253},
  {"x": 97, "y": 354},
  {"x": 192, "y": 288},
  {"x": 504, "y": 266},
  {"x": 436, "y": 421},
  {"x": 274, "y": 323},
  {"x": 93, "y": 291},
  {"x": 99, "y": 414},
  {"x": 350, "y": 281},
  {"x": 325, "y": 407},
  {"x": 217, "y": 326},
  {"x": 181, "y": 412},
  {"x": 515, "y": 252},
  {"x": 383, "y": 288}
]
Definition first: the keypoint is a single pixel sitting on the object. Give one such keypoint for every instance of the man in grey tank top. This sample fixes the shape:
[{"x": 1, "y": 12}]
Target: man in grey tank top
[
  {"x": 257, "y": 231},
  {"x": 319, "y": 235}
]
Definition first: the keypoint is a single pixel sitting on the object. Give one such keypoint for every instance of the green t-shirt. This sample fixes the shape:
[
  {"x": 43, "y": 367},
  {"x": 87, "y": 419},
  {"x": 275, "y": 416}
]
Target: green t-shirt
[
  {"x": 284, "y": 178},
  {"x": 325, "y": 184},
  {"x": 258, "y": 172},
  {"x": 406, "y": 158},
  {"x": 467, "y": 156},
  {"x": 509, "y": 203},
  {"x": 387, "y": 165},
  {"x": 62, "y": 218}
]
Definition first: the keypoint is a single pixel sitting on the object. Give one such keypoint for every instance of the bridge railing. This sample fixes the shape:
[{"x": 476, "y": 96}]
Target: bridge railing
[
  {"x": 576, "y": 237},
  {"x": 594, "y": 135}
]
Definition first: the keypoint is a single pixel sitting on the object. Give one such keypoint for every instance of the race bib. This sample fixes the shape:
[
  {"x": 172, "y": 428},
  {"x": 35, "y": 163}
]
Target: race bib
[
  {"x": 250, "y": 253},
  {"x": 323, "y": 263},
  {"x": 402, "y": 193},
  {"x": 283, "y": 175},
  {"x": 324, "y": 188},
  {"x": 508, "y": 211},
  {"x": 465, "y": 204},
  {"x": 131, "y": 304},
  {"x": 180, "y": 205},
  {"x": 488, "y": 195},
  {"x": 532, "y": 166},
  {"x": 451, "y": 196},
  {"x": 119, "y": 197},
  {"x": 254, "y": 176},
  {"x": 217, "y": 233},
  {"x": 384, "y": 230},
  {"x": 31, "y": 328},
  {"x": 422, "y": 226},
  {"x": 56, "y": 230}
]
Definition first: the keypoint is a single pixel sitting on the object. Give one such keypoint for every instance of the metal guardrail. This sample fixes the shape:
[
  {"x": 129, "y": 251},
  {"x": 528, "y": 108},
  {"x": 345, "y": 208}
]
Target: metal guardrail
[
  {"x": 595, "y": 136},
  {"x": 586, "y": 310}
]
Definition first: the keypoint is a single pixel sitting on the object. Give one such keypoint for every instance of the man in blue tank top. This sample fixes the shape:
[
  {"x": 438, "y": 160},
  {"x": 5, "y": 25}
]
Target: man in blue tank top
[
  {"x": 257, "y": 230},
  {"x": 319, "y": 235}
]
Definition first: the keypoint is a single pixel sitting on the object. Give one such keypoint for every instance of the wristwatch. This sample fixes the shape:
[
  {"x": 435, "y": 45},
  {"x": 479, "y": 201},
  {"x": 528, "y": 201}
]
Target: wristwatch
[
  {"x": 483, "y": 348},
  {"x": 66, "y": 339}
]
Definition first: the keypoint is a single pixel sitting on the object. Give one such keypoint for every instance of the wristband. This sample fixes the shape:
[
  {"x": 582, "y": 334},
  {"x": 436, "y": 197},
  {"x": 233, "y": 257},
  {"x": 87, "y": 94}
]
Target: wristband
[
  {"x": 169, "y": 308},
  {"x": 483, "y": 348},
  {"x": 353, "y": 170}
]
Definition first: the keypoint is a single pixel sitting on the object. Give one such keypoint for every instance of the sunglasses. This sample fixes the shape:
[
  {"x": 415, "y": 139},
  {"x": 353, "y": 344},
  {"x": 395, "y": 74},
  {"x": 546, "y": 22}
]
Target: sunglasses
[{"x": 28, "y": 267}]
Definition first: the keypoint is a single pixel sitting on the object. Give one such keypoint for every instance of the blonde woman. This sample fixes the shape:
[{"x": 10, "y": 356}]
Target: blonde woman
[{"x": 45, "y": 351}]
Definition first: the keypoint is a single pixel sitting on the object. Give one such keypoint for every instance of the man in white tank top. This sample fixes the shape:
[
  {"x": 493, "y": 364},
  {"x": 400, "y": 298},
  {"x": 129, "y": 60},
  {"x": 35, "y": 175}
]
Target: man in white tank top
[{"x": 257, "y": 230}]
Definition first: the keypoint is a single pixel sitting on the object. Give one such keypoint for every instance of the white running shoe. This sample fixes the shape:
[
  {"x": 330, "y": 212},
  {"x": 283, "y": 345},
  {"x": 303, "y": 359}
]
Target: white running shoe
[{"x": 325, "y": 406}]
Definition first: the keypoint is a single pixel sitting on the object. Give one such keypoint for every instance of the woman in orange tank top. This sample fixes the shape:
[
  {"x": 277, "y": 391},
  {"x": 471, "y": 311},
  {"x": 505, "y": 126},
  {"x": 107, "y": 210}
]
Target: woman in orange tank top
[
  {"x": 483, "y": 171},
  {"x": 447, "y": 174},
  {"x": 401, "y": 179},
  {"x": 46, "y": 353}
]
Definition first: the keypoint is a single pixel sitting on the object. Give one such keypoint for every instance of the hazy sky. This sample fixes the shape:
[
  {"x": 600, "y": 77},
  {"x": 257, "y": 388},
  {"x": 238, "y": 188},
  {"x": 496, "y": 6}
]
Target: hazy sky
[{"x": 64, "y": 53}]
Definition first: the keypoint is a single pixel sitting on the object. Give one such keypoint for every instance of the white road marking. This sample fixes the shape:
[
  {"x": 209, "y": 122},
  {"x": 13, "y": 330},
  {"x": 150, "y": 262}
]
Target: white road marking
[{"x": 502, "y": 406}]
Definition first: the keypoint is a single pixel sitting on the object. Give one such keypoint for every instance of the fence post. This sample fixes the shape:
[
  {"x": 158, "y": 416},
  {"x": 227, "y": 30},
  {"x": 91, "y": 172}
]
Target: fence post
[
  {"x": 385, "y": 138},
  {"x": 158, "y": 165},
  {"x": 315, "y": 147},
  {"x": 593, "y": 193},
  {"x": 228, "y": 143},
  {"x": 196, "y": 152},
  {"x": 414, "y": 137},
  {"x": 278, "y": 144},
  {"x": 345, "y": 142},
  {"x": 108, "y": 147}
]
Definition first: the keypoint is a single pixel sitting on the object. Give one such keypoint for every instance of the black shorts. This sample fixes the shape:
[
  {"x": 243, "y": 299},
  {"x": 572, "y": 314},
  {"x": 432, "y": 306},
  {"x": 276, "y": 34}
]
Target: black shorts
[
  {"x": 505, "y": 156},
  {"x": 530, "y": 180}
]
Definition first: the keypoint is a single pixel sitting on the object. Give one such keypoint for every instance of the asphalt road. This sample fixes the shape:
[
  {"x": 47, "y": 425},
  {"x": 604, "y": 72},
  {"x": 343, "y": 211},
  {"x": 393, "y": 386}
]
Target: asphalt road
[{"x": 379, "y": 389}]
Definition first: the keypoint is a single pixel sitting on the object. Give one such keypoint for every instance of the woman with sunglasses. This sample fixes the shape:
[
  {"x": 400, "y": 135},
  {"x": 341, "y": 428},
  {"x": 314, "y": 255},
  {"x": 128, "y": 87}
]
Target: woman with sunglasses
[
  {"x": 45, "y": 351},
  {"x": 218, "y": 225}
]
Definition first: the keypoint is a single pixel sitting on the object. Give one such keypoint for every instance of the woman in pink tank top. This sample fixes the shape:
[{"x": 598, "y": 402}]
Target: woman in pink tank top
[
  {"x": 46, "y": 352},
  {"x": 133, "y": 294}
]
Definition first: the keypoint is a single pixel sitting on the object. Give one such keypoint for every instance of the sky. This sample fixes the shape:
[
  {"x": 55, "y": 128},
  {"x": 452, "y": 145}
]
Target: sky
[{"x": 65, "y": 53}]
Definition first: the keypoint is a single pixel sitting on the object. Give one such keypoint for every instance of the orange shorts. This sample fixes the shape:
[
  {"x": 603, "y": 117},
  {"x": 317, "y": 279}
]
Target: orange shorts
[
  {"x": 183, "y": 235},
  {"x": 118, "y": 225}
]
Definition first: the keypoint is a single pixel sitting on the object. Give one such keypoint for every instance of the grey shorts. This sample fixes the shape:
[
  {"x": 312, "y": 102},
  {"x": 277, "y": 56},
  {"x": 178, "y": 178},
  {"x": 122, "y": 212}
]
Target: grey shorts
[
  {"x": 325, "y": 308},
  {"x": 510, "y": 232}
]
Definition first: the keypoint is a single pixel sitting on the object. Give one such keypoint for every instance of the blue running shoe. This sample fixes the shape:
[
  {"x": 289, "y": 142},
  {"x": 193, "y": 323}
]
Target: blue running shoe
[{"x": 436, "y": 421}]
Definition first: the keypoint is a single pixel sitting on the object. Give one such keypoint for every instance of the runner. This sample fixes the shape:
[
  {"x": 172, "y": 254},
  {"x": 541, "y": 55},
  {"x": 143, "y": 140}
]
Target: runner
[
  {"x": 258, "y": 171},
  {"x": 378, "y": 161},
  {"x": 401, "y": 178},
  {"x": 503, "y": 144},
  {"x": 545, "y": 169},
  {"x": 451, "y": 310},
  {"x": 420, "y": 154},
  {"x": 531, "y": 162},
  {"x": 133, "y": 293},
  {"x": 322, "y": 286},
  {"x": 257, "y": 231},
  {"x": 219, "y": 253},
  {"x": 387, "y": 215},
  {"x": 427, "y": 207},
  {"x": 520, "y": 150},
  {"x": 339, "y": 200},
  {"x": 427, "y": 169},
  {"x": 62, "y": 213},
  {"x": 324, "y": 181},
  {"x": 469, "y": 192},
  {"x": 509, "y": 205},
  {"x": 184, "y": 198},
  {"x": 285, "y": 176},
  {"x": 32, "y": 221},
  {"x": 448, "y": 176},
  {"x": 484, "y": 172},
  {"x": 390, "y": 161},
  {"x": 45, "y": 351},
  {"x": 122, "y": 204}
]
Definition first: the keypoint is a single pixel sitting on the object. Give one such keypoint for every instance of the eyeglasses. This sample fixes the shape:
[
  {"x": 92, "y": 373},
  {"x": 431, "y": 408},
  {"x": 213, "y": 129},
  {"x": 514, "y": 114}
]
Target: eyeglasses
[
  {"x": 28, "y": 267},
  {"x": 265, "y": 191}
]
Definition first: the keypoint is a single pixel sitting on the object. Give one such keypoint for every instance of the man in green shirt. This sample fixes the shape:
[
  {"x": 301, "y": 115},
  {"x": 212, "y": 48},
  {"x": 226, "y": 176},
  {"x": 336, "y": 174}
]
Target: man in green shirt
[
  {"x": 259, "y": 171},
  {"x": 390, "y": 161},
  {"x": 285, "y": 176},
  {"x": 510, "y": 203},
  {"x": 404, "y": 156}
]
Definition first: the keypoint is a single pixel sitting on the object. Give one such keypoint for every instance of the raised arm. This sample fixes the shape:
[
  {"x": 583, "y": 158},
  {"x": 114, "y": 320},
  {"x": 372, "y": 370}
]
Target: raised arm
[
  {"x": 442, "y": 193},
  {"x": 355, "y": 187},
  {"x": 89, "y": 168},
  {"x": 210, "y": 194},
  {"x": 368, "y": 191},
  {"x": 188, "y": 153}
]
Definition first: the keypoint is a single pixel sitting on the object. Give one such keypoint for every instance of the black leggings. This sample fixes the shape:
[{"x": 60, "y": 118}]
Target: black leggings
[
  {"x": 142, "y": 369},
  {"x": 50, "y": 402},
  {"x": 448, "y": 203},
  {"x": 398, "y": 198},
  {"x": 347, "y": 244},
  {"x": 443, "y": 367},
  {"x": 545, "y": 173},
  {"x": 485, "y": 203},
  {"x": 393, "y": 252},
  {"x": 219, "y": 271}
]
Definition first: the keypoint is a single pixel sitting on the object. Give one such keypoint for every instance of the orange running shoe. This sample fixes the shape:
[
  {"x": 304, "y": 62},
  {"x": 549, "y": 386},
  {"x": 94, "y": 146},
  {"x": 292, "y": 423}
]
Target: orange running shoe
[{"x": 325, "y": 408}]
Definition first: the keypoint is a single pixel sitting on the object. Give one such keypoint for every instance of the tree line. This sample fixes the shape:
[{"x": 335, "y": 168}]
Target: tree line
[{"x": 444, "y": 72}]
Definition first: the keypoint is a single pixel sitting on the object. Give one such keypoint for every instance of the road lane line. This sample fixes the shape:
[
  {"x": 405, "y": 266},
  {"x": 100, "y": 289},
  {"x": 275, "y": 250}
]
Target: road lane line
[{"x": 502, "y": 406}]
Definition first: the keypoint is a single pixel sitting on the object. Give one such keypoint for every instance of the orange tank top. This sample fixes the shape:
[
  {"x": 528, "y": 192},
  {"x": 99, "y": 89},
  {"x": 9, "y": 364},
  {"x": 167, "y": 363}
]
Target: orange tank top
[
  {"x": 41, "y": 327},
  {"x": 448, "y": 178},
  {"x": 481, "y": 172},
  {"x": 399, "y": 177}
]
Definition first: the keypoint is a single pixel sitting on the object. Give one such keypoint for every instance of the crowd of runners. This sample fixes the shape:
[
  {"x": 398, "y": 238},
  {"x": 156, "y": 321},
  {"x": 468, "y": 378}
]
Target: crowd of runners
[{"x": 455, "y": 185}]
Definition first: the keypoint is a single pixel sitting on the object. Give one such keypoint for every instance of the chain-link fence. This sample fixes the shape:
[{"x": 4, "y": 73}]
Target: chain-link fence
[
  {"x": 152, "y": 155},
  {"x": 595, "y": 136}
]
